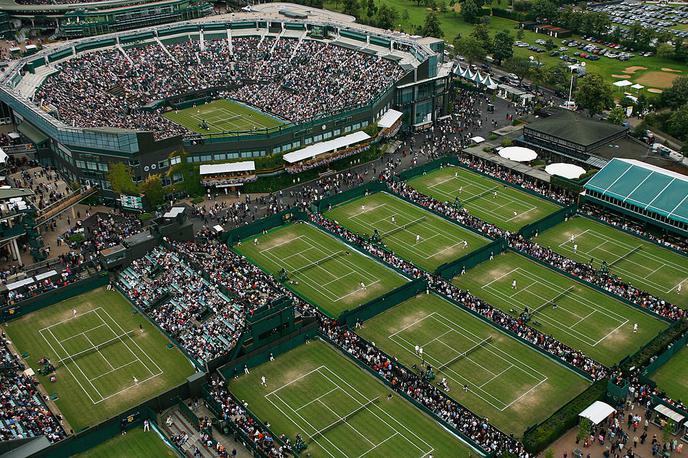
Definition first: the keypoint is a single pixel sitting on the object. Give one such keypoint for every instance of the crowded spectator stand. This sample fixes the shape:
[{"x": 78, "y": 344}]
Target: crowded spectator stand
[
  {"x": 228, "y": 175},
  {"x": 323, "y": 153}
]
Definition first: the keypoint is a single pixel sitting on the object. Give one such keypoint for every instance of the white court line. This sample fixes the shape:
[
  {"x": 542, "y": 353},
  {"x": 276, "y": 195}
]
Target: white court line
[{"x": 281, "y": 243}]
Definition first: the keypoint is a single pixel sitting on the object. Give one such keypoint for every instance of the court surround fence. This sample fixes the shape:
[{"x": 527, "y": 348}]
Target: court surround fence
[
  {"x": 382, "y": 303},
  {"x": 451, "y": 269},
  {"x": 548, "y": 221},
  {"x": 351, "y": 194},
  {"x": 263, "y": 224}
]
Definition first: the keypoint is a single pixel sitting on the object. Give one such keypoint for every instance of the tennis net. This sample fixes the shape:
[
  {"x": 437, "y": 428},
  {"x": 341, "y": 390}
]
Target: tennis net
[
  {"x": 345, "y": 418},
  {"x": 621, "y": 258},
  {"x": 460, "y": 356},
  {"x": 402, "y": 227},
  {"x": 95, "y": 348},
  {"x": 482, "y": 194},
  {"x": 554, "y": 300},
  {"x": 317, "y": 262}
]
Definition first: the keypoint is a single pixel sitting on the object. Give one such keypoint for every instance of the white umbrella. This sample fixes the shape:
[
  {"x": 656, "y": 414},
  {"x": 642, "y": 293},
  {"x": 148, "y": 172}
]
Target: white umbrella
[
  {"x": 622, "y": 83},
  {"x": 518, "y": 153},
  {"x": 637, "y": 86},
  {"x": 562, "y": 169}
]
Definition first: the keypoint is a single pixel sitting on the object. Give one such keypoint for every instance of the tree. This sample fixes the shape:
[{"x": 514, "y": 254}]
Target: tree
[
  {"x": 482, "y": 34},
  {"x": 470, "y": 48},
  {"x": 405, "y": 16},
  {"x": 503, "y": 47},
  {"x": 152, "y": 189},
  {"x": 520, "y": 34},
  {"x": 584, "y": 428},
  {"x": 543, "y": 9},
  {"x": 470, "y": 11},
  {"x": 520, "y": 66},
  {"x": 594, "y": 94},
  {"x": 549, "y": 44},
  {"x": 371, "y": 10},
  {"x": 617, "y": 116},
  {"x": 386, "y": 17},
  {"x": 432, "y": 28},
  {"x": 351, "y": 7},
  {"x": 665, "y": 50},
  {"x": 677, "y": 94},
  {"x": 677, "y": 125},
  {"x": 121, "y": 178}
]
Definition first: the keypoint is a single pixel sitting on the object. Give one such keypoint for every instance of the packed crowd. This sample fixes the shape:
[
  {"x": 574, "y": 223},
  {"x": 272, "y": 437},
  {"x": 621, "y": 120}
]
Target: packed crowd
[
  {"x": 102, "y": 230},
  {"x": 70, "y": 266},
  {"x": 630, "y": 225},
  {"x": 190, "y": 308},
  {"x": 47, "y": 185},
  {"x": 23, "y": 413},
  {"x": 295, "y": 80}
]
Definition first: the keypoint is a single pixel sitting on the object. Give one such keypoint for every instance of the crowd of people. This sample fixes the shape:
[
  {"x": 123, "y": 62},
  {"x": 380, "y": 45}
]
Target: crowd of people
[
  {"x": 101, "y": 231},
  {"x": 23, "y": 413},
  {"x": 296, "y": 80},
  {"x": 46, "y": 183}
]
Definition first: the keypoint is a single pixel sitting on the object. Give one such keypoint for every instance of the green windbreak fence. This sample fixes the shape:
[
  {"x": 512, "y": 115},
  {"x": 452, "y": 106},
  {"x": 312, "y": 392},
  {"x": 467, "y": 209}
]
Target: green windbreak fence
[
  {"x": 359, "y": 191},
  {"x": 548, "y": 221},
  {"x": 263, "y": 224},
  {"x": 428, "y": 167},
  {"x": 616, "y": 392},
  {"x": 10, "y": 312},
  {"x": 384, "y": 302},
  {"x": 662, "y": 359},
  {"x": 451, "y": 269}
]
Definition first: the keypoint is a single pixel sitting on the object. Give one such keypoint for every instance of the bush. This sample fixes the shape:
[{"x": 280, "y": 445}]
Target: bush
[
  {"x": 76, "y": 238},
  {"x": 197, "y": 200},
  {"x": 507, "y": 142},
  {"x": 492, "y": 137},
  {"x": 145, "y": 217},
  {"x": 538, "y": 437}
]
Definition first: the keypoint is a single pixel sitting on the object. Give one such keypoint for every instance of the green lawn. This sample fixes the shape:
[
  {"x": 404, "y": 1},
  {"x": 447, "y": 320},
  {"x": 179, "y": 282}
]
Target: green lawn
[
  {"x": 399, "y": 223},
  {"x": 452, "y": 24},
  {"x": 512, "y": 384},
  {"x": 672, "y": 376},
  {"x": 135, "y": 443},
  {"x": 223, "y": 115},
  {"x": 583, "y": 317},
  {"x": 97, "y": 353},
  {"x": 643, "y": 264},
  {"x": 509, "y": 209},
  {"x": 313, "y": 387},
  {"x": 320, "y": 267}
]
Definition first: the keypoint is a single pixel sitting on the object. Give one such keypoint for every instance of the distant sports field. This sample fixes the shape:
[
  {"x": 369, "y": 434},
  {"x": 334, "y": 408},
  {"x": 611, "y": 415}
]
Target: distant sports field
[
  {"x": 425, "y": 239},
  {"x": 339, "y": 409},
  {"x": 509, "y": 209},
  {"x": 508, "y": 382},
  {"x": 136, "y": 443},
  {"x": 105, "y": 363},
  {"x": 223, "y": 115},
  {"x": 672, "y": 376},
  {"x": 574, "y": 313},
  {"x": 643, "y": 264},
  {"x": 320, "y": 267}
]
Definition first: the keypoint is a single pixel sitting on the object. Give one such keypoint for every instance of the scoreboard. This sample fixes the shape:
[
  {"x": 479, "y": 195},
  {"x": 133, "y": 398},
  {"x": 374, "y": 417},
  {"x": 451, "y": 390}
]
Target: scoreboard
[{"x": 131, "y": 202}]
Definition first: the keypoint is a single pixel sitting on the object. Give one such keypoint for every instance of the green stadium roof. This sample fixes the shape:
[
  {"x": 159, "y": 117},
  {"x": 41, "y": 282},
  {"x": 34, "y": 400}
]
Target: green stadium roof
[{"x": 645, "y": 186}]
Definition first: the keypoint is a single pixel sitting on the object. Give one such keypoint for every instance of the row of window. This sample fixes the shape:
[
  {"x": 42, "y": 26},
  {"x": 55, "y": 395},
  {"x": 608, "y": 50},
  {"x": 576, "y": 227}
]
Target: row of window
[
  {"x": 88, "y": 165},
  {"x": 638, "y": 210}
]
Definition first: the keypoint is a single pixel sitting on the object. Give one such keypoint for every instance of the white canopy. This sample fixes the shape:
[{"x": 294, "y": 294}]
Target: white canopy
[
  {"x": 218, "y": 228},
  {"x": 562, "y": 169},
  {"x": 174, "y": 211},
  {"x": 20, "y": 283},
  {"x": 45, "y": 275},
  {"x": 637, "y": 86},
  {"x": 389, "y": 119},
  {"x": 667, "y": 412},
  {"x": 597, "y": 412},
  {"x": 518, "y": 153},
  {"x": 211, "y": 169},
  {"x": 622, "y": 83},
  {"x": 325, "y": 147},
  {"x": 3, "y": 156},
  {"x": 477, "y": 139}
]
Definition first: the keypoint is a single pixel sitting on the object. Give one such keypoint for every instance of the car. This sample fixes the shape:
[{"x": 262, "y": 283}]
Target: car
[
  {"x": 563, "y": 49},
  {"x": 554, "y": 53},
  {"x": 594, "y": 57}
]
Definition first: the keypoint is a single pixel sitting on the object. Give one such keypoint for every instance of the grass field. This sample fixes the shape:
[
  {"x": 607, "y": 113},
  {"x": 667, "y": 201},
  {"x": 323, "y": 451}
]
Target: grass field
[
  {"x": 508, "y": 382},
  {"x": 672, "y": 376},
  {"x": 510, "y": 209},
  {"x": 643, "y": 264},
  {"x": 135, "y": 443},
  {"x": 583, "y": 318},
  {"x": 440, "y": 240},
  {"x": 223, "y": 115},
  {"x": 339, "y": 410},
  {"x": 98, "y": 352},
  {"x": 322, "y": 268}
]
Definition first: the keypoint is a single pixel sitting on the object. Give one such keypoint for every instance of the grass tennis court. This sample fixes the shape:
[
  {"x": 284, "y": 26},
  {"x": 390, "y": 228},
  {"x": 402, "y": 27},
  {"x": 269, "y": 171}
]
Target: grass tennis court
[
  {"x": 672, "y": 376},
  {"x": 320, "y": 267},
  {"x": 643, "y": 264},
  {"x": 340, "y": 410},
  {"x": 104, "y": 362},
  {"x": 574, "y": 313},
  {"x": 509, "y": 209},
  {"x": 134, "y": 443},
  {"x": 508, "y": 382},
  {"x": 425, "y": 239},
  {"x": 223, "y": 115}
]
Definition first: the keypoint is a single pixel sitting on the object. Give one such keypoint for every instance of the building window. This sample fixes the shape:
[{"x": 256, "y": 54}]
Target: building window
[{"x": 175, "y": 160}]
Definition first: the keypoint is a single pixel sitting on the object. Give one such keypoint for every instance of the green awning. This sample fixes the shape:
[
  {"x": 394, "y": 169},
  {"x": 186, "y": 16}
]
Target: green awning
[{"x": 32, "y": 133}]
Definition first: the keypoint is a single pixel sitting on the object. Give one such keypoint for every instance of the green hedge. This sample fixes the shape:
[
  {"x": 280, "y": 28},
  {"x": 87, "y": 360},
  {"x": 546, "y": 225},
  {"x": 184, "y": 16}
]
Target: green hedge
[
  {"x": 656, "y": 346},
  {"x": 538, "y": 437}
]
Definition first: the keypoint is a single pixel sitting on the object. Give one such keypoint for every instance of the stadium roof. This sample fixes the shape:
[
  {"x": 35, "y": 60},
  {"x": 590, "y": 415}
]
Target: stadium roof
[
  {"x": 229, "y": 167},
  {"x": 645, "y": 186},
  {"x": 325, "y": 147},
  {"x": 575, "y": 128},
  {"x": 389, "y": 118}
]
